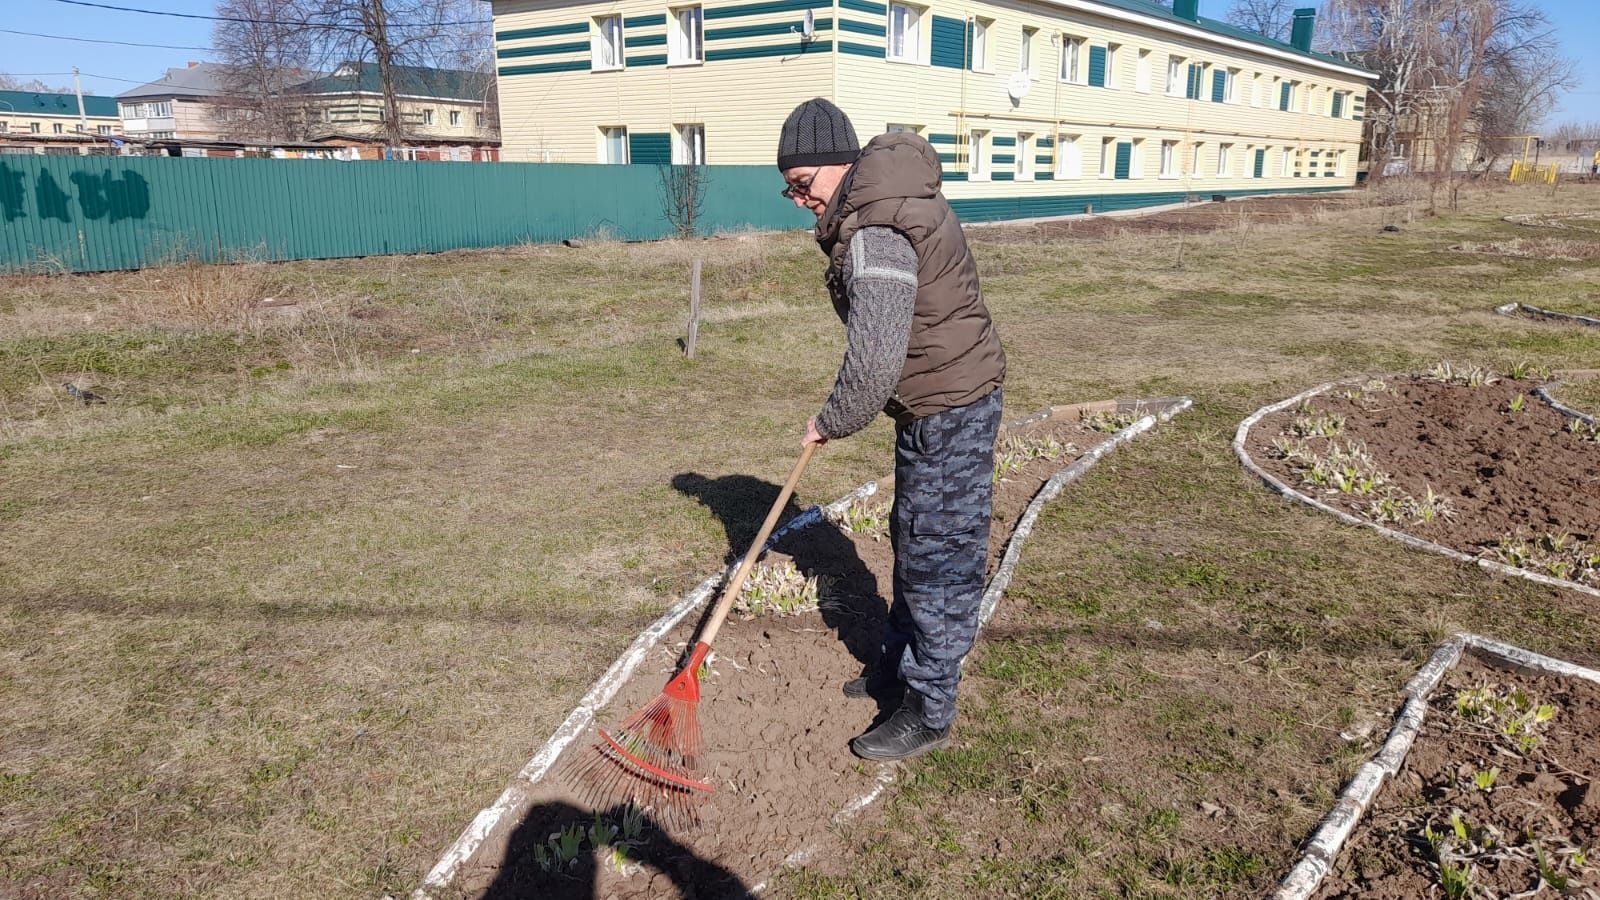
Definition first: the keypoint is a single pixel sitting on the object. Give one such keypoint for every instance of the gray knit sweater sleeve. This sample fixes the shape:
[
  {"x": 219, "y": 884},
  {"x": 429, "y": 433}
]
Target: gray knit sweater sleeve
[{"x": 880, "y": 275}]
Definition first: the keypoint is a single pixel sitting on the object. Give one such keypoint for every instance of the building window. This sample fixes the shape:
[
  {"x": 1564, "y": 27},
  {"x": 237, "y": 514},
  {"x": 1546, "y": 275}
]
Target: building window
[
  {"x": 614, "y": 145},
  {"x": 1111, "y": 65},
  {"x": 455, "y": 118},
  {"x": 1255, "y": 90},
  {"x": 5, "y": 127},
  {"x": 689, "y": 145},
  {"x": 1286, "y": 96},
  {"x": 1024, "y": 161},
  {"x": 161, "y": 109},
  {"x": 1025, "y": 51},
  {"x": 477, "y": 119},
  {"x": 1232, "y": 86},
  {"x": 1072, "y": 59},
  {"x": 1285, "y": 164},
  {"x": 1224, "y": 164},
  {"x": 56, "y": 128},
  {"x": 78, "y": 128},
  {"x": 1141, "y": 72},
  {"x": 1136, "y": 158},
  {"x": 1069, "y": 156},
  {"x": 1174, "y": 76},
  {"x": 978, "y": 155},
  {"x": 904, "y": 33},
  {"x": 688, "y": 36},
  {"x": 607, "y": 43},
  {"x": 33, "y": 127},
  {"x": 1169, "y": 159},
  {"x": 1194, "y": 158},
  {"x": 103, "y": 129},
  {"x": 427, "y": 117},
  {"x": 1108, "y": 156},
  {"x": 980, "y": 44},
  {"x": 896, "y": 128}
]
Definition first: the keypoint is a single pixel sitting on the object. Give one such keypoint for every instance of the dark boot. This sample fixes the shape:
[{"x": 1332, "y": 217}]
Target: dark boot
[
  {"x": 876, "y": 681},
  {"x": 902, "y": 736}
]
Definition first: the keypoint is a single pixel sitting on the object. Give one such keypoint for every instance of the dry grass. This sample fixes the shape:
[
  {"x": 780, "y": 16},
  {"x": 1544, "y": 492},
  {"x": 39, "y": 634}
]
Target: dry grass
[{"x": 284, "y": 613}]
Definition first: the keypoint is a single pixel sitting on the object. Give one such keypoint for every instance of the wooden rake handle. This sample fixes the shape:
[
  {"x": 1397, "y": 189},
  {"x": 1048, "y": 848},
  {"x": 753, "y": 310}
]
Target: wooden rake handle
[{"x": 720, "y": 613}]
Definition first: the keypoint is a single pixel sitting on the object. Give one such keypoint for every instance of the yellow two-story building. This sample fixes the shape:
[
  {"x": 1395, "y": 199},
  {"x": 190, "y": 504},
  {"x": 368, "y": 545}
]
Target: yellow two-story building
[{"x": 1038, "y": 107}]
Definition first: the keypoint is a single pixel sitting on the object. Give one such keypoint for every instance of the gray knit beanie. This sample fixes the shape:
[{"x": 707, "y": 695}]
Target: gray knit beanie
[{"x": 817, "y": 133}]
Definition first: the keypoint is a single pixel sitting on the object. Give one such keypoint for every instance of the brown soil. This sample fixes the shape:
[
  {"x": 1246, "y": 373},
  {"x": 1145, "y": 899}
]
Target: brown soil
[
  {"x": 1503, "y": 473},
  {"x": 775, "y": 721},
  {"x": 1545, "y": 795}
]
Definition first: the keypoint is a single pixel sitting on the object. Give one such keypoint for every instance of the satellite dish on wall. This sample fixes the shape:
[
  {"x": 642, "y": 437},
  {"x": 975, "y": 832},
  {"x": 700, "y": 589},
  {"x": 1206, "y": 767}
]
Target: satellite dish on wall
[
  {"x": 808, "y": 26},
  {"x": 1018, "y": 85}
]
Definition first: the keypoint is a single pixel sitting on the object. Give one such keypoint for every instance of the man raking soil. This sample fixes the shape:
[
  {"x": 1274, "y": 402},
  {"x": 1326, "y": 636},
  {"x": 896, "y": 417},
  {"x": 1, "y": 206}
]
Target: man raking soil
[{"x": 920, "y": 347}]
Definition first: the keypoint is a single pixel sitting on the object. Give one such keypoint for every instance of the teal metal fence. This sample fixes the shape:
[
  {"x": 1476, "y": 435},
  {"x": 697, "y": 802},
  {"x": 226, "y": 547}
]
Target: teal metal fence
[{"x": 86, "y": 214}]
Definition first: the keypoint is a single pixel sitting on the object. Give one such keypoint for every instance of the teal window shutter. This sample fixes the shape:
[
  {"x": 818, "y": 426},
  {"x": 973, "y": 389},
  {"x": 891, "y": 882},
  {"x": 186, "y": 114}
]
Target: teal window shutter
[
  {"x": 1097, "y": 67},
  {"x": 949, "y": 45},
  {"x": 650, "y": 149},
  {"x": 1219, "y": 85},
  {"x": 1124, "y": 159},
  {"x": 967, "y": 48},
  {"x": 1192, "y": 91},
  {"x": 1261, "y": 161},
  {"x": 1283, "y": 96},
  {"x": 1338, "y": 106}
]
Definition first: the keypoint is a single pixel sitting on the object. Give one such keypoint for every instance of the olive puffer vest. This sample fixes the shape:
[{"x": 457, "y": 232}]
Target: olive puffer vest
[{"x": 954, "y": 356}]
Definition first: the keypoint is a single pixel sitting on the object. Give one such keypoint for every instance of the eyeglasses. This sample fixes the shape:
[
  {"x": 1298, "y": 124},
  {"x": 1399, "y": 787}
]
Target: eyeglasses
[{"x": 803, "y": 187}]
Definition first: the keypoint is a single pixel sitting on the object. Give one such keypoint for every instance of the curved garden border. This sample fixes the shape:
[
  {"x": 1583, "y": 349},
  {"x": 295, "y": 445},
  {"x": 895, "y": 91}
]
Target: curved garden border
[
  {"x": 1412, "y": 541},
  {"x": 1512, "y": 310},
  {"x": 1322, "y": 850},
  {"x": 499, "y": 818}
]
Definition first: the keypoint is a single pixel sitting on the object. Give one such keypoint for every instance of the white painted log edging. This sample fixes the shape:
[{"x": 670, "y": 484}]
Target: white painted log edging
[
  {"x": 1415, "y": 543},
  {"x": 1543, "y": 393},
  {"x": 1512, "y": 309},
  {"x": 518, "y": 795},
  {"x": 1323, "y": 849}
]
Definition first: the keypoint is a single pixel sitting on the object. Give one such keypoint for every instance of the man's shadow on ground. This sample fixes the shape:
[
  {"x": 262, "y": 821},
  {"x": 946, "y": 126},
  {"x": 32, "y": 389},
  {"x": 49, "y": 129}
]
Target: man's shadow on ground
[
  {"x": 522, "y": 877},
  {"x": 852, "y": 607}
]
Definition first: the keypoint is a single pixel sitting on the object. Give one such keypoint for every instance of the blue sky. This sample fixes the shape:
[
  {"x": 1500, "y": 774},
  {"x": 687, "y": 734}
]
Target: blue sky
[{"x": 104, "y": 64}]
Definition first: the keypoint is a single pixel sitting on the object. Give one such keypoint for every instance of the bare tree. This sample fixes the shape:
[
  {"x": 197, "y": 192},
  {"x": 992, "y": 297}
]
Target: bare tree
[
  {"x": 1270, "y": 18},
  {"x": 392, "y": 34},
  {"x": 280, "y": 42},
  {"x": 1442, "y": 65},
  {"x": 10, "y": 83},
  {"x": 267, "y": 49},
  {"x": 683, "y": 195}
]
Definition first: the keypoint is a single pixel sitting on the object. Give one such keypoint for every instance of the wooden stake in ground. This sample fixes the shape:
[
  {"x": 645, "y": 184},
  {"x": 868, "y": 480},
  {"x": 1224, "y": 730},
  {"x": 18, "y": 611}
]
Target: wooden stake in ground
[{"x": 694, "y": 310}]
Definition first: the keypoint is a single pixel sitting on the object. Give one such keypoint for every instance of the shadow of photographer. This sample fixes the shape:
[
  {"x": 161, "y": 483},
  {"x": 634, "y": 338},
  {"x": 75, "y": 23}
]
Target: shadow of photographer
[{"x": 534, "y": 867}]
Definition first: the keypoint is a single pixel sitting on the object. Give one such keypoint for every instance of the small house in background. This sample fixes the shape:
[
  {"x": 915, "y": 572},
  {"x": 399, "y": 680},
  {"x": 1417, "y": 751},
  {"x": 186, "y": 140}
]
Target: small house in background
[
  {"x": 1037, "y": 107},
  {"x": 188, "y": 104},
  {"x": 446, "y": 114},
  {"x": 48, "y": 123}
]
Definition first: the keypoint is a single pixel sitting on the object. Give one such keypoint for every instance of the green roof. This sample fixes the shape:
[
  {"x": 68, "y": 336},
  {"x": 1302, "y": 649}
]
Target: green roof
[
  {"x": 28, "y": 102},
  {"x": 414, "y": 81},
  {"x": 1223, "y": 29}
]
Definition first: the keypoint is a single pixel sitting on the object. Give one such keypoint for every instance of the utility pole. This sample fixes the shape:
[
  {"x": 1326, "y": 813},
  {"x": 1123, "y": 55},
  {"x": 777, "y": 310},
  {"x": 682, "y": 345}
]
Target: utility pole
[{"x": 77, "y": 88}]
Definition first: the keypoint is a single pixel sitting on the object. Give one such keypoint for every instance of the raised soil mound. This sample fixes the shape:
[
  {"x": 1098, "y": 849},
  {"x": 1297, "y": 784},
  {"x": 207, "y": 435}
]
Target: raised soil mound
[
  {"x": 1508, "y": 478},
  {"x": 1477, "y": 811}
]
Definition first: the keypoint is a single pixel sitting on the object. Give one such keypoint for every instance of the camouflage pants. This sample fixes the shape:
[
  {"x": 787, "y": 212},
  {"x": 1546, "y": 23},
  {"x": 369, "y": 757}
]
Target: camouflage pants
[{"x": 943, "y": 486}]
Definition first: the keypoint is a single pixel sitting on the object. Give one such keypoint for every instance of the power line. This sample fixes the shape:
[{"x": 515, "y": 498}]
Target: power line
[
  {"x": 249, "y": 21},
  {"x": 84, "y": 74},
  {"x": 62, "y": 37}
]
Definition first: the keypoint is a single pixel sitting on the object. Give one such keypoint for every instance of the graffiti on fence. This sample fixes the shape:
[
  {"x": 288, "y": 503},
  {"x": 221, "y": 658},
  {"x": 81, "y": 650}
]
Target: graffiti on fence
[{"x": 100, "y": 195}]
